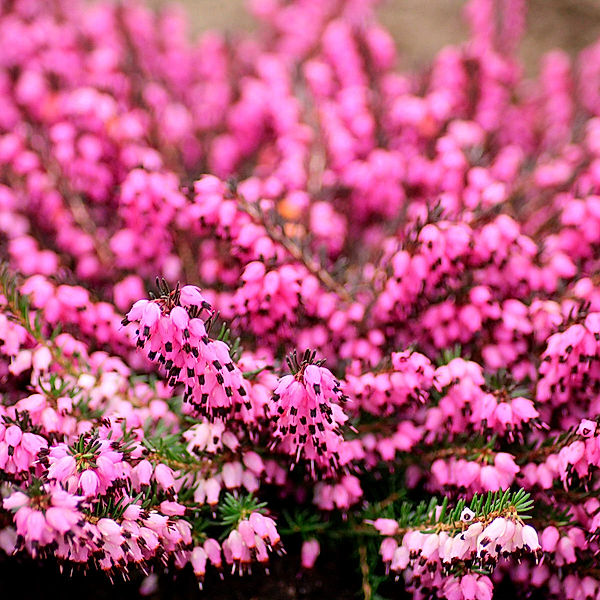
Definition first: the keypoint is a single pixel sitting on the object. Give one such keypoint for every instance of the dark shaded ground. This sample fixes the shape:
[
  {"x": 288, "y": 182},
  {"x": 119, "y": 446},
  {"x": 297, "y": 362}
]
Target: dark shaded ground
[{"x": 336, "y": 580}]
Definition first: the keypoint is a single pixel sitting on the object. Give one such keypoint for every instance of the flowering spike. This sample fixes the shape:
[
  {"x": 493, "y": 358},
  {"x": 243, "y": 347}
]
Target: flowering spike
[
  {"x": 306, "y": 407},
  {"x": 175, "y": 337}
]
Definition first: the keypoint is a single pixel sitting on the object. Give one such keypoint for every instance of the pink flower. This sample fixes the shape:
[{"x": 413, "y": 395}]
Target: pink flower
[
  {"x": 164, "y": 477},
  {"x": 587, "y": 428},
  {"x": 198, "y": 560},
  {"x": 309, "y": 554},
  {"x": 89, "y": 482},
  {"x": 385, "y": 526},
  {"x": 63, "y": 468},
  {"x": 530, "y": 538}
]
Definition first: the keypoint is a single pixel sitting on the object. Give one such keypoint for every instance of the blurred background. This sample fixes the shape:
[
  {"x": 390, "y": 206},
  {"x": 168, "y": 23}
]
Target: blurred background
[{"x": 422, "y": 27}]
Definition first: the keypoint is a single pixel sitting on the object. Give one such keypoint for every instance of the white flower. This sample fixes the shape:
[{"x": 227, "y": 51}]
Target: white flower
[
  {"x": 530, "y": 538},
  {"x": 467, "y": 515},
  {"x": 431, "y": 545}
]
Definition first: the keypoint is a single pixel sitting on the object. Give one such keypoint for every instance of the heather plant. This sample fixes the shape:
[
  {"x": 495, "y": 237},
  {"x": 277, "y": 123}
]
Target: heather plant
[{"x": 268, "y": 290}]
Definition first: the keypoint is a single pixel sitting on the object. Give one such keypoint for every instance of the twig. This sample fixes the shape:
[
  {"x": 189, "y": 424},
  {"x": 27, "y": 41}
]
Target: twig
[
  {"x": 294, "y": 250},
  {"x": 364, "y": 569},
  {"x": 18, "y": 307},
  {"x": 75, "y": 202},
  {"x": 186, "y": 253}
]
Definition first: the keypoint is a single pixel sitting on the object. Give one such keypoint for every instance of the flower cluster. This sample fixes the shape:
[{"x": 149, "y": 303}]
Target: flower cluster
[
  {"x": 250, "y": 541},
  {"x": 174, "y": 335},
  {"x": 308, "y": 416},
  {"x": 476, "y": 541},
  {"x": 431, "y": 237}
]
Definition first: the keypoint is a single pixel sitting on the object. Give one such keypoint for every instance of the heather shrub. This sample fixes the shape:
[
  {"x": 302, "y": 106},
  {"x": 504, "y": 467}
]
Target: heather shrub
[{"x": 269, "y": 289}]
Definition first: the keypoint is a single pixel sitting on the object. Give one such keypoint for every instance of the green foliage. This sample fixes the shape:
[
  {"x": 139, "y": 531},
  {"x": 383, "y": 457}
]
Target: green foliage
[
  {"x": 303, "y": 521},
  {"x": 449, "y": 354},
  {"x": 86, "y": 448},
  {"x": 251, "y": 375},
  {"x": 110, "y": 508},
  {"x": 18, "y": 303},
  {"x": 83, "y": 407},
  {"x": 22, "y": 420},
  {"x": 168, "y": 446},
  {"x": 56, "y": 387},
  {"x": 234, "y": 509},
  {"x": 425, "y": 517},
  {"x": 234, "y": 343},
  {"x": 502, "y": 380}
]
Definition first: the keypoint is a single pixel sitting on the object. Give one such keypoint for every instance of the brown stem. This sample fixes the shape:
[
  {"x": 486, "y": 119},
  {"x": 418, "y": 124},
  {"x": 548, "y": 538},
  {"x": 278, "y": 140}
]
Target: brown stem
[
  {"x": 74, "y": 201},
  {"x": 294, "y": 250},
  {"x": 184, "y": 467},
  {"x": 364, "y": 569},
  {"x": 186, "y": 253}
]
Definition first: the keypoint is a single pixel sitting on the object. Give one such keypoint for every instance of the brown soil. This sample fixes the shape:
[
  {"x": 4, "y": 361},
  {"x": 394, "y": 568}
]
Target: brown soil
[
  {"x": 337, "y": 579},
  {"x": 422, "y": 27}
]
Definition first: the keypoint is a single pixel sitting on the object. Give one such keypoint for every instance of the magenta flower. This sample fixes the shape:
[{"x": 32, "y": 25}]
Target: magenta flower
[
  {"x": 90, "y": 465},
  {"x": 433, "y": 232},
  {"x": 44, "y": 517}
]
